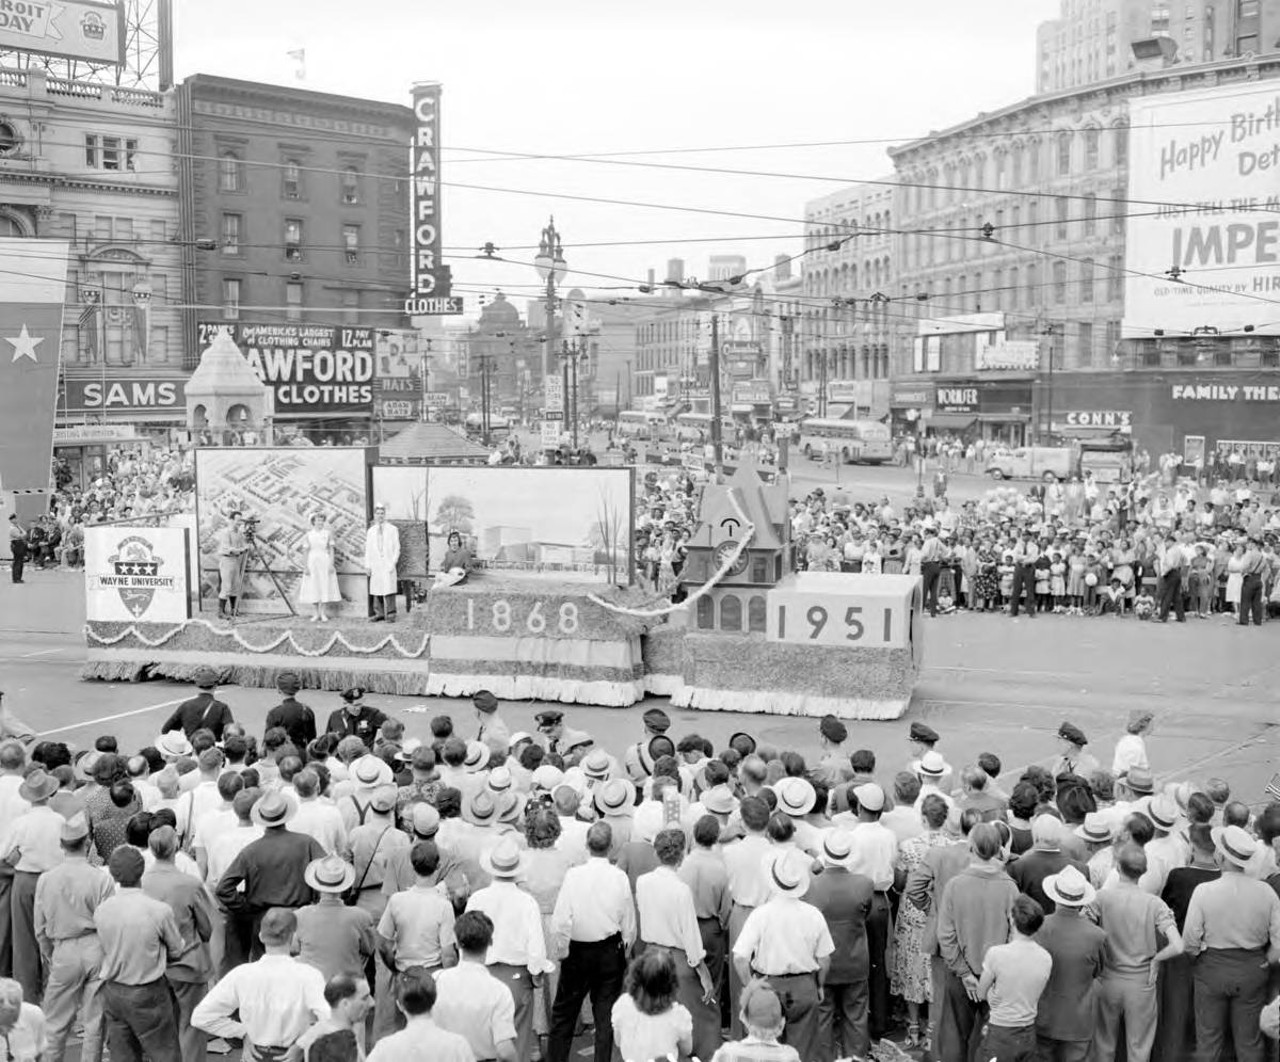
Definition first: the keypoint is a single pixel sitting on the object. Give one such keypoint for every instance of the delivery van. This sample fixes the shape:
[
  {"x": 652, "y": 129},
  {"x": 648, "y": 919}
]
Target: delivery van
[{"x": 1033, "y": 462}]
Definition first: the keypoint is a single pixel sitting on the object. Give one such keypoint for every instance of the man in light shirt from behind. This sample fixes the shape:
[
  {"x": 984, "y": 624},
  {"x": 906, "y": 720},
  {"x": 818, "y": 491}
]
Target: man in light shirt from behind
[{"x": 473, "y": 1002}]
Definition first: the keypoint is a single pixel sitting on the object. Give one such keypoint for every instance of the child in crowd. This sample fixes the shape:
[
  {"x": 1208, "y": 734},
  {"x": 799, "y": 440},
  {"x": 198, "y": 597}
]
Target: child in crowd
[
  {"x": 1006, "y": 580},
  {"x": 1058, "y": 582},
  {"x": 1076, "y": 566}
]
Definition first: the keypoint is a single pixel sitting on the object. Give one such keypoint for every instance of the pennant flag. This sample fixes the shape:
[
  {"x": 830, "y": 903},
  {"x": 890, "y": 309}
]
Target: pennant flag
[{"x": 33, "y": 284}]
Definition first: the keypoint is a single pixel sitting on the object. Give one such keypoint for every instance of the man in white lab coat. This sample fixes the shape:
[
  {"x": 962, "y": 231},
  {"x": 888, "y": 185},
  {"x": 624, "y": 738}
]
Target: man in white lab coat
[{"x": 381, "y": 555}]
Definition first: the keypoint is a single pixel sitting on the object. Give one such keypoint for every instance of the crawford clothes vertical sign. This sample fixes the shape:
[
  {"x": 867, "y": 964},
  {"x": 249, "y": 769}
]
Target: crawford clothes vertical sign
[
  {"x": 429, "y": 277},
  {"x": 312, "y": 369}
]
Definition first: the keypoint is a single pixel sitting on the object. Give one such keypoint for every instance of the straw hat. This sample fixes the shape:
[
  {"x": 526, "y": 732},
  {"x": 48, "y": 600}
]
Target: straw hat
[
  {"x": 329, "y": 874},
  {"x": 505, "y": 860},
  {"x": 273, "y": 810},
  {"x": 617, "y": 796},
  {"x": 796, "y": 796},
  {"x": 1097, "y": 828},
  {"x": 1236, "y": 846},
  {"x": 719, "y": 800},
  {"x": 1069, "y": 888},
  {"x": 477, "y": 757},
  {"x": 932, "y": 765},
  {"x": 596, "y": 764},
  {"x": 173, "y": 745},
  {"x": 481, "y": 808},
  {"x": 370, "y": 771},
  {"x": 789, "y": 873}
]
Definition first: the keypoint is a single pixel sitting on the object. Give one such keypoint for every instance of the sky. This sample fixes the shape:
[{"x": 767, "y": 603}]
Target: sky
[{"x": 666, "y": 79}]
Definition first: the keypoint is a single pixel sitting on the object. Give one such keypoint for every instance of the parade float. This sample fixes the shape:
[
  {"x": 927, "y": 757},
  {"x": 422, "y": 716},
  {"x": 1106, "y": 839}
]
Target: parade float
[{"x": 550, "y": 609}]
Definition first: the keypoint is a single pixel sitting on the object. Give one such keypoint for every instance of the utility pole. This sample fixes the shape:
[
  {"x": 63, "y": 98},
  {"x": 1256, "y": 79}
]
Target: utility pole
[
  {"x": 1049, "y": 330},
  {"x": 717, "y": 434}
]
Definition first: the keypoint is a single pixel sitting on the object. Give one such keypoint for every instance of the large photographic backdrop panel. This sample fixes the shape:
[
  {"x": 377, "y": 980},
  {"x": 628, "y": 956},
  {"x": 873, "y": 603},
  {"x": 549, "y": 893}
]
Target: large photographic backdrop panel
[
  {"x": 559, "y": 524},
  {"x": 283, "y": 488}
]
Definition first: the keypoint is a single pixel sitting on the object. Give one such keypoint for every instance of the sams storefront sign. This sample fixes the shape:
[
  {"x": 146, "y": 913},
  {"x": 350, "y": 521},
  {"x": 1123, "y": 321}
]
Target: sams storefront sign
[
  {"x": 131, "y": 395},
  {"x": 312, "y": 369}
]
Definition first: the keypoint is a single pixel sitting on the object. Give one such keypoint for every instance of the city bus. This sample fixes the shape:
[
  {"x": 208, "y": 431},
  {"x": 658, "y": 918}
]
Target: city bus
[
  {"x": 636, "y": 424},
  {"x": 856, "y": 441}
]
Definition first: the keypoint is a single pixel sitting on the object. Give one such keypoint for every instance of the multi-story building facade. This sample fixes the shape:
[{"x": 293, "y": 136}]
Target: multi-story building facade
[
  {"x": 848, "y": 275},
  {"x": 1092, "y": 40},
  {"x": 1012, "y": 252},
  {"x": 93, "y": 164},
  {"x": 307, "y": 197}
]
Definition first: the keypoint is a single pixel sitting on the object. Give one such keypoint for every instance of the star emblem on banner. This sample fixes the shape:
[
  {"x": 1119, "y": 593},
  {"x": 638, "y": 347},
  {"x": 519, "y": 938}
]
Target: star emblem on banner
[{"x": 24, "y": 346}]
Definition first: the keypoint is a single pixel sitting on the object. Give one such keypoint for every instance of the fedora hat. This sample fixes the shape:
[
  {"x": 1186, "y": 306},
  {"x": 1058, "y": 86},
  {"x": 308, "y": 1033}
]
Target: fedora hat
[
  {"x": 75, "y": 829},
  {"x": 426, "y": 820},
  {"x": 83, "y": 766},
  {"x": 481, "y": 808},
  {"x": 511, "y": 806},
  {"x": 547, "y": 776},
  {"x": 1069, "y": 888},
  {"x": 789, "y": 873},
  {"x": 836, "y": 847},
  {"x": 719, "y": 800},
  {"x": 1236, "y": 846},
  {"x": 173, "y": 745},
  {"x": 383, "y": 800},
  {"x": 596, "y": 764},
  {"x": 796, "y": 796},
  {"x": 572, "y": 739},
  {"x": 329, "y": 874},
  {"x": 616, "y": 796},
  {"x": 477, "y": 757},
  {"x": 1163, "y": 812},
  {"x": 932, "y": 765},
  {"x": 273, "y": 810},
  {"x": 370, "y": 771},
  {"x": 1097, "y": 828},
  {"x": 743, "y": 742},
  {"x": 505, "y": 859},
  {"x": 37, "y": 786},
  {"x": 1140, "y": 781}
]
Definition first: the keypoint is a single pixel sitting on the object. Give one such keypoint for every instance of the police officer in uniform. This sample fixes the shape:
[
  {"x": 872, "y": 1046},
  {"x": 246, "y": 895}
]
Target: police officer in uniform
[
  {"x": 201, "y": 712},
  {"x": 551, "y": 727},
  {"x": 298, "y": 721},
  {"x": 356, "y": 717},
  {"x": 656, "y": 723}
]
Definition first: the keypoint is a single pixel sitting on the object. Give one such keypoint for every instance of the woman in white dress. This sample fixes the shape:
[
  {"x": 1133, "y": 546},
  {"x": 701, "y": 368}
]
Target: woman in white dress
[
  {"x": 319, "y": 573},
  {"x": 1235, "y": 579}
]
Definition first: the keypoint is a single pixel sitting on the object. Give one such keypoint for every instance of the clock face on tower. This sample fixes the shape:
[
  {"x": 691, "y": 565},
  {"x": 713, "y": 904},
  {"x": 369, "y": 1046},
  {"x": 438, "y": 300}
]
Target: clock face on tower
[{"x": 724, "y": 551}]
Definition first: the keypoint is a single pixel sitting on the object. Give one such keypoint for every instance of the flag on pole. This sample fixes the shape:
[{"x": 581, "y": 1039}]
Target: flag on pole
[
  {"x": 299, "y": 56},
  {"x": 88, "y": 323},
  {"x": 33, "y": 281}
]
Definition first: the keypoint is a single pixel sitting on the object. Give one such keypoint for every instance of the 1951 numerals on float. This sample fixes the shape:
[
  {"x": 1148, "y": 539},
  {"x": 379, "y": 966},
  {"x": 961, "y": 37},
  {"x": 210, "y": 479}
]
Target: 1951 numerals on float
[
  {"x": 837, "y": 621},
  {"x": 502, "y": 618}
]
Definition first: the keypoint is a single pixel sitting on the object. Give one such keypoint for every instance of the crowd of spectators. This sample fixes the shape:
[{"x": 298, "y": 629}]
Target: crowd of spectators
[{"x": 345, "y": 892}]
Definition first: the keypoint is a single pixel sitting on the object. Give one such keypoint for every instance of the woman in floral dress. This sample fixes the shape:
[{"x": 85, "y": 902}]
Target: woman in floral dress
[{"x": 909, "y": 977}]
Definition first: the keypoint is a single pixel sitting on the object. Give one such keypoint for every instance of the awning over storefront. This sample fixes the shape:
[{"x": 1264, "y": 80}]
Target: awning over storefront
[
  {"x": 950, "y": 421},
  {"x": 1005, "y": 418}
]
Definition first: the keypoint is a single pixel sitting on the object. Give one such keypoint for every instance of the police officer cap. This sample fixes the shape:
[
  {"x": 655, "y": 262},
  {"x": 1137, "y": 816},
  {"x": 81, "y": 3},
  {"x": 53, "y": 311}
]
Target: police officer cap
[
  {"x": 288, "y": 683},
  {"x": 657, "y": 720},
  {"x": 549, "y": 717},
  {"x": 924, "y": 734},
  {"x": 485, "y": 701},
  {"x": 832, "y": 729},
  {"x": 356, "y": 693},
  {"x": 205, "y": 678},
  {"x": 1073, "y": 733}
]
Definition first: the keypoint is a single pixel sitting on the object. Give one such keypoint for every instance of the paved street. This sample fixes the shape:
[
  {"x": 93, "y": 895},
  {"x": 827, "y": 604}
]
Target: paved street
[{"x": 989, "y": 682}]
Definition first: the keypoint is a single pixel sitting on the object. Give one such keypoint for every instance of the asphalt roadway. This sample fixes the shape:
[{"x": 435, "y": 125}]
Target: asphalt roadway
[{"x": 988, "y": 683}]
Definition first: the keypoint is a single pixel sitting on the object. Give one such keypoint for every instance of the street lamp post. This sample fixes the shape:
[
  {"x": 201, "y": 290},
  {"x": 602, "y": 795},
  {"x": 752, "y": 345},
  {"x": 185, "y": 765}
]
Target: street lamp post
[
  {"x": 551, "y": 267},
  {"x": 1049, "y": 330},
  {"x": 571, "y": 352}
]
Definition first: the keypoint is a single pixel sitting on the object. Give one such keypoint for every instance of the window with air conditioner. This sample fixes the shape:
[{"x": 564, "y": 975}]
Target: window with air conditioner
[
  {"x": 351, "y": 243},
  {"x": 293, "y": 239}
]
